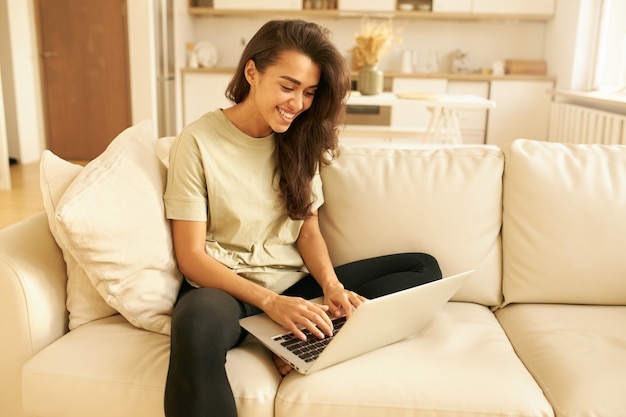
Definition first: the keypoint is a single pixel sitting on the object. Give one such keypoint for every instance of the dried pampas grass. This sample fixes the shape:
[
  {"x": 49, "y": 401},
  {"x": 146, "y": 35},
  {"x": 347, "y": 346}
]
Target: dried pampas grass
[{"x": 374, "y": 40}]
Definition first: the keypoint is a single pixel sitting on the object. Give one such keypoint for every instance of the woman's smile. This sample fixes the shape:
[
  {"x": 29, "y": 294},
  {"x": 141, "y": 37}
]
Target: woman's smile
[{"x": 287, "y": 115}]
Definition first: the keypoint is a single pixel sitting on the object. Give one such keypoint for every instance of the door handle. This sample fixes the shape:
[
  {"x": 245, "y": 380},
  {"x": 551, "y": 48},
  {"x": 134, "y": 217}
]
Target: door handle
[{"x": 49, "y": 54}]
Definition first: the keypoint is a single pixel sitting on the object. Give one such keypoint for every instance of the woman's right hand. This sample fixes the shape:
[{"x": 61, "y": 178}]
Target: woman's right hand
[{"x": 294, "y": 313}]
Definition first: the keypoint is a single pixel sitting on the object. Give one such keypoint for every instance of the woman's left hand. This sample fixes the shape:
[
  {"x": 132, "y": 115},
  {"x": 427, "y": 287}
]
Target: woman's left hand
[{"x": 341, "y": 301}]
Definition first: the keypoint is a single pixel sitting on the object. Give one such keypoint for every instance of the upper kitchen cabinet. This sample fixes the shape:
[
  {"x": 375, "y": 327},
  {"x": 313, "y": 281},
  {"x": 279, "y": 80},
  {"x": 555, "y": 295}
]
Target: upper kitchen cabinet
[
  {"x": 485, "y": 8},
  {"x": 366, "y": 5},
  {"x": 260, "y": 5},
  {"x": 513, "y": 7},
  {"x": 412, "y": 9},
  {"x": 452, "y": 6}
]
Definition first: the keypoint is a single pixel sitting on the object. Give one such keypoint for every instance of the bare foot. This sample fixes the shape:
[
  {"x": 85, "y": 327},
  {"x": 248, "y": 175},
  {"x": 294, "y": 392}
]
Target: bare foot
[{"x": 283, "y": 367}]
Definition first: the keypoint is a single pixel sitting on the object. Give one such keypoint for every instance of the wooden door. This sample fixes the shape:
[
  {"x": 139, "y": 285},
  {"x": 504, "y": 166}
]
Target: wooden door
[{"x": 85, "y": 74}]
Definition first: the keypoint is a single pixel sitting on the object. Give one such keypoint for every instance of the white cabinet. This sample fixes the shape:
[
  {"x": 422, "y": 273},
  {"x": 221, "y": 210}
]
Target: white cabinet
[
  {"x": 452, "y": 6},
  {"x": 255, "y": 4},
  {"x": 367, "y": 5},
  {"x": 522, "y": 111},
  {"x": 203, "y": 92},
  {"x": 521, "y": 7}
]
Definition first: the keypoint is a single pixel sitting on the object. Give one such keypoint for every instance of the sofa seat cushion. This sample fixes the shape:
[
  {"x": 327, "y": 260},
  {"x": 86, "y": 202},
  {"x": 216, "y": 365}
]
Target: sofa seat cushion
[
  {"x": 107, "y": 367},
  {"x": 460, "y": 364},
  {"x": 577, "y": 353}
]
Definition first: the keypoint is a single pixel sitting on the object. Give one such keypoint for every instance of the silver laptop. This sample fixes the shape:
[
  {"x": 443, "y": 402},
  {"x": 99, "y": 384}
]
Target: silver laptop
[{"x": 376, "y": 323}]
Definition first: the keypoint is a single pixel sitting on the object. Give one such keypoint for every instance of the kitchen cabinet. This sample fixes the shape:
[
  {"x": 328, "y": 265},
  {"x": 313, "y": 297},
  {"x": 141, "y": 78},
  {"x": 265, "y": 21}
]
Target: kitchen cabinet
[
  {"x": 261, "y": 5},
  {"x": 441, "y": 9},
  {"x": 367, "y": 5},
  {"x": 521, "y": 7},
  {"x": 203, "y": 92},
  {"x": 522, "y": 111},
  {"x": 457, "y": 6}
]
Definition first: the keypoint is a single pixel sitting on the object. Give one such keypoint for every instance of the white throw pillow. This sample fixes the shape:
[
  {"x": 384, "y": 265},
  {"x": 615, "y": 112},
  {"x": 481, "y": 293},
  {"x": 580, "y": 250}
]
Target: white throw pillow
[
  {"x": 83, "y": 301},
  {"x": 112, "y": 220}
]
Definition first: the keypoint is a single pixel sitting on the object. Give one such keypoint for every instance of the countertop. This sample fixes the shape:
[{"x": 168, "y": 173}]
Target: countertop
[{"x": 397, "y": 74}]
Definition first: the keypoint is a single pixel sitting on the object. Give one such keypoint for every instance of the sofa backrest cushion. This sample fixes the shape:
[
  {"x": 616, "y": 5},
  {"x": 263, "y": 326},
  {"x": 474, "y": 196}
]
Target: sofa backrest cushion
[
  {"x": 445, "y": 201},
  {"x": 564, "y": 223}
]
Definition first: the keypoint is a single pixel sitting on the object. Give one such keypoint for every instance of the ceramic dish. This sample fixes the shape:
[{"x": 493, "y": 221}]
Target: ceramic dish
[{"x": 206, "y": 53}]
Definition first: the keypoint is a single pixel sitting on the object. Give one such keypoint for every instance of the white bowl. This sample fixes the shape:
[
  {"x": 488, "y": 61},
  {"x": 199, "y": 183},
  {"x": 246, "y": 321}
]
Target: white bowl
[{"x": 406, "y": 7}]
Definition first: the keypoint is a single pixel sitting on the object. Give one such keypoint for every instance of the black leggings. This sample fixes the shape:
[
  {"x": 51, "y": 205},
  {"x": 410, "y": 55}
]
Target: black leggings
[{"x": 205, "y": 326}]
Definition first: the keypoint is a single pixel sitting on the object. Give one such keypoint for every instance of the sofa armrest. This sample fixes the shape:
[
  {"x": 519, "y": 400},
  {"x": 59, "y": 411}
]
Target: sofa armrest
[{"x": 32, "y": 302}]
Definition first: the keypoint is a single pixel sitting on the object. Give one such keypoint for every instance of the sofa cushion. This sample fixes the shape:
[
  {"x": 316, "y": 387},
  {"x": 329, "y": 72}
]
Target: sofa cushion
[
  {"x": 563, "y": 227},
  {"x": 111, "y": 219},
  {"x": 445, "y": 201},
  {"x": 108, "y": 368},
  {"x": 460, "y": 364},
  {"x": 575, "y": 352},
  {"x": 84, "y": 304}
]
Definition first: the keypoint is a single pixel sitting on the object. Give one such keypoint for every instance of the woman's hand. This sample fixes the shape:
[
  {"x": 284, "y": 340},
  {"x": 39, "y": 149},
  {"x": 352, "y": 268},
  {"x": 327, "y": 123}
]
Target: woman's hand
[
  {"x": 292, "y": 312},
  {"x": 340, "y": 300}
]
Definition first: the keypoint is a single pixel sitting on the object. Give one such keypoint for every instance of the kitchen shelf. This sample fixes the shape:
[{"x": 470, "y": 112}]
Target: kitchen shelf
[{"x": 398, "y": 14}]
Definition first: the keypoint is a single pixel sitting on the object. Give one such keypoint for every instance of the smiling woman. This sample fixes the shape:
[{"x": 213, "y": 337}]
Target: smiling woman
[
  {"x": 280, "y": 93},
  {"x": 243, "y": 193},
  {"x": 314, "y": 129}
]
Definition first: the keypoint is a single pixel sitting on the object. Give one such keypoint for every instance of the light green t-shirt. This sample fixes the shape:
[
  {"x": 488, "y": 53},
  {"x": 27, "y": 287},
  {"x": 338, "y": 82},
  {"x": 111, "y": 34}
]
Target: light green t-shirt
[{"x": 222, "y": 176}]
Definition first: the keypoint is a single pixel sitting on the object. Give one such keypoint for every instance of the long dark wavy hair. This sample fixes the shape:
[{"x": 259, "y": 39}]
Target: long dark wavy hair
[{"x": 311, "y": 140}]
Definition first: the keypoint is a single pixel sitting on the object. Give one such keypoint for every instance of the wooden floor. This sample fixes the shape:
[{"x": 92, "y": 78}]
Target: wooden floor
[{"x": 24, "y": 198}]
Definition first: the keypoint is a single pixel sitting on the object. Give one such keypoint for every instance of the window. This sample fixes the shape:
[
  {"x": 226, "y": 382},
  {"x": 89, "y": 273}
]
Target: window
[{"x": 610, "y": 70}]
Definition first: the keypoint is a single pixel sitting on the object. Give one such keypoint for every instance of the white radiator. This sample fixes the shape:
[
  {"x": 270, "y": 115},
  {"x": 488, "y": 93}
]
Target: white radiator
[{"x": 571, "y": 123}]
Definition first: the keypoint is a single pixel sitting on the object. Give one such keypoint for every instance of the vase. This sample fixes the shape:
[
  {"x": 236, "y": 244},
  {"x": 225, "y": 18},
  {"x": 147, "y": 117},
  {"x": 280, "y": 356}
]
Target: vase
[{"x": 370, "y": 80}]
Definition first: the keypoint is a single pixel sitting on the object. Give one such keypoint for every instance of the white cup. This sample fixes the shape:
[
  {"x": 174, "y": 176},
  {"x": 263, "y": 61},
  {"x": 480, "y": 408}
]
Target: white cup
[
  {"x": 407, "y": 62},
  {"x": 498, "y": 68}
]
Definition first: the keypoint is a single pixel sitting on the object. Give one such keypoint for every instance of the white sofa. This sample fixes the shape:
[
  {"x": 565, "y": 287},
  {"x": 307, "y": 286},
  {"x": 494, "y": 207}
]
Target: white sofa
[{"x": 540, "y": 329}]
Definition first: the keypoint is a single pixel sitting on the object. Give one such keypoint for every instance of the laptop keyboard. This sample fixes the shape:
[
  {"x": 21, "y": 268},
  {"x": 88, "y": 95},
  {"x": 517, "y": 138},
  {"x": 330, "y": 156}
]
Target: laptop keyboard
[{"x": 308, "y": 350}]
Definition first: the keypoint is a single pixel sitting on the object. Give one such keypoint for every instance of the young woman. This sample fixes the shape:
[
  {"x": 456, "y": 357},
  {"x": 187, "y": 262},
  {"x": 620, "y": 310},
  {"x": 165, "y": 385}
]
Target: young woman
[{"x": 243, "y": 192}]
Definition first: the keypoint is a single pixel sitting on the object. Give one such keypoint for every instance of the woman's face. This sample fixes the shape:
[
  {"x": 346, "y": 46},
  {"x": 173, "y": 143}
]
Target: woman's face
[{"x": 284, "y": 90}]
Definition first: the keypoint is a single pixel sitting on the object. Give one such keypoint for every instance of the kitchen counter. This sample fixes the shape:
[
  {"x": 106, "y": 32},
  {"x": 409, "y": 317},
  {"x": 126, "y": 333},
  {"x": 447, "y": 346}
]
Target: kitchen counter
[
  {"x": 397, "y": 74},
  {"x": 522, "y": 110}
]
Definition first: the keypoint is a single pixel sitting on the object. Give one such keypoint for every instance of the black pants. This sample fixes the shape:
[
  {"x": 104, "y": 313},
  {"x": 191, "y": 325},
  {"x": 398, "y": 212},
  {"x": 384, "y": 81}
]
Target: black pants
[{"x": 205, "y": 326}]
